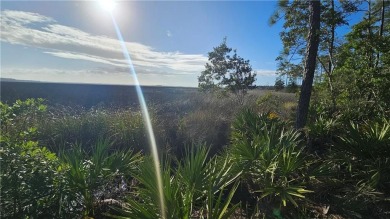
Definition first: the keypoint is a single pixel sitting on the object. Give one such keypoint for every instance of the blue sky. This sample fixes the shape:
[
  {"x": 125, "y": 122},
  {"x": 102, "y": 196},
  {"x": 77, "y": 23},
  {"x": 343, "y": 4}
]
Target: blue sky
[{"x": 75, "y": 41}]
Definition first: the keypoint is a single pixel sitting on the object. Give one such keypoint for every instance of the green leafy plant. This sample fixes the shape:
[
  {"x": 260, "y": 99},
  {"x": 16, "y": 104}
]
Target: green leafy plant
[
  {"x": 30, "y": 177},
  {"x": 360, "y": 158},
  {"x": 321, "y": 133},
  {"x": 189, "y": 190},
  {"x": 273, "y": 163},
  {"x": 92, "y": 177}
]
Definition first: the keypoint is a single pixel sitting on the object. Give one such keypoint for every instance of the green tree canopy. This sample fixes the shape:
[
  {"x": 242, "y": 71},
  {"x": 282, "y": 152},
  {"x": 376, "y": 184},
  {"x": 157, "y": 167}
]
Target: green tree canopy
[{"x": 228, "y": 71}]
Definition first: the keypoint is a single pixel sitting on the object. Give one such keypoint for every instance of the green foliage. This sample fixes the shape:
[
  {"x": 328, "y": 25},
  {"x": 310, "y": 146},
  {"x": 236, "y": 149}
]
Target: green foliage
[
  {"x": 266, "y": 162},
  {"x": 92, "y": 177},
  {"x": 189, "y": 190},
  {"x": 321, "y": 133},
  {"x": 358, "y": 180},
  {"x": 292, "y": 86},
  {"x": 279, "y": 84},
  {"x": 361, "y": 81},
  {"x": 270, "y": 102},
  {"x": 30, "y": 177},
  {"x": 230, "y": 72},
  {"x": 68, "y": 127},
  {"x": 35, "y": 183},
  {"x": 282, "y": 105},
  {"x": 218, "y": 208},
  {"x": 273, "y": 163},
  {"x": 295, "y": 15},
  {"x": 367, "y": 148},
  {"x": 30, "y": 183},
  {"x": 358, "y": 80},
  {"x": 18, "y": 121}
]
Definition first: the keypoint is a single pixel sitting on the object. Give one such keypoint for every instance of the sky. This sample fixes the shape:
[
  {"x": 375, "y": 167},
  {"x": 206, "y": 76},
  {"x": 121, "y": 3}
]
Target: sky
[{"x": 168, "y": 41}]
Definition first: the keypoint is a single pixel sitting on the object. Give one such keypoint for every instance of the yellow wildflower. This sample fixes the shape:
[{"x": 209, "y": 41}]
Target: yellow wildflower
[{"x": 272, "y": 115}]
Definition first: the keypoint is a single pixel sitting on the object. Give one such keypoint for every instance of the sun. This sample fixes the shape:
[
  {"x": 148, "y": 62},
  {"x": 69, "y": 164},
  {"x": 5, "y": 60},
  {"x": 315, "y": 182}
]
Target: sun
[{"x": 107, "y": 5}]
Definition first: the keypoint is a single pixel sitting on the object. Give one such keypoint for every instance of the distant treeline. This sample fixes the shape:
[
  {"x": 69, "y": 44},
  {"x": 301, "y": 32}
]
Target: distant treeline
[{"x": 88, "y": 95}]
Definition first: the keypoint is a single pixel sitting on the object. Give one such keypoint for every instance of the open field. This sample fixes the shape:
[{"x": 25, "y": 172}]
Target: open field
[
  {"x": 88, "y": 95},
  {"x": 181, "y": 115}
]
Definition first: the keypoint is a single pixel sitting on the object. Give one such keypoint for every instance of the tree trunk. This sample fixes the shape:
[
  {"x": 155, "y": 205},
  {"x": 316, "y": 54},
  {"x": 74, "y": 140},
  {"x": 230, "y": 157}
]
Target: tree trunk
[
  {"x": 381, "y": 30},
  {"x": 330, "y": 64},
  {"x": 310, "y": 64},
  {"x": 371, "y": 51}
]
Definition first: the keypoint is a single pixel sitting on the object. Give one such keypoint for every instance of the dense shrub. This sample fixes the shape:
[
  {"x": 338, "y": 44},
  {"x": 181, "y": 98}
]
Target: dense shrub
[
  {"x": 194, "y": 189},
  {"x": 31, "y": 178},
  {"x": 265, "y": 169},
  {"x": 361, "y": 164},
  {"x": 97, "y": 176},
  {"x": 272, "y": 161}
]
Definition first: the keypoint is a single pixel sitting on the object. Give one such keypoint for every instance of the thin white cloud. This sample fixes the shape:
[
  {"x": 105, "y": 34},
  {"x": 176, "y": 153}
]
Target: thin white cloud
[
  {"x": 20, "y": 17},
  {"x": 66, "y": 76},
  {"x": 265, "y": 72},
  {"x": 169, "y": 33},
  {"x": 80, "y": 56},
  {"x": 97, "y": 75},
  {"x": 39, "y": 31}
]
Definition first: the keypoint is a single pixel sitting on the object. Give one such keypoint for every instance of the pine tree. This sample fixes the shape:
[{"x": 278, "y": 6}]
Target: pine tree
[{"x": 227, "y": 71}]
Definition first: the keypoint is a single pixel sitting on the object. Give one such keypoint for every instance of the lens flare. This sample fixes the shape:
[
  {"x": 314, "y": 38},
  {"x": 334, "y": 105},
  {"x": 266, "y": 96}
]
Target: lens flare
[
  {"x": 107, "y": 5},
  {"x": 145, "y": 115}
]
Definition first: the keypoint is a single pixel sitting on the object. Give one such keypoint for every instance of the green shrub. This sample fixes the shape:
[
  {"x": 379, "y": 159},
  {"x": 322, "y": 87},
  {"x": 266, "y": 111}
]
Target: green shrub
[
  {"x": 361, "y": 164},
  {"x": 31, "y": 179},
  {"x": 273, "y": 164},
  {"x": 279, "y": 84},
  {"x": 19, "y": 121},
  {"x": 35, "y": 183},
  {"x": 95, "y": 176},
  {"x": 193, "y": 189},
  {"x": 321, "y": 134}
]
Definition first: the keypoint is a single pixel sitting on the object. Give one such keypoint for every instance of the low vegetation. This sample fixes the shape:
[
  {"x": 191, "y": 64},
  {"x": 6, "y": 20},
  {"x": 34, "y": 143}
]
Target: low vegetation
[
  {"x": 222, "y": 158},
  {"x": 244, "y": 162}
]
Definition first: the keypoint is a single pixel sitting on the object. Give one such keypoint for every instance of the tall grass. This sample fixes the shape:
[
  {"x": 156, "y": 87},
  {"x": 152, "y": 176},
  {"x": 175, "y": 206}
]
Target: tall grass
[
  {"x": 191, "y": 118},
  {"x": 66, "y": 128},
  {"x": 207, "y": 118}
]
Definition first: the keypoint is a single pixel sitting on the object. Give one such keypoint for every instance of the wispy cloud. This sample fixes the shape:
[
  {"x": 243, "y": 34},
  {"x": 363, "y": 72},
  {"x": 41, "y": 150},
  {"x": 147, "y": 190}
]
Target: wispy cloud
[
  {"x": 169, "y": 33},
  {"x": 97, "y": 75},
  {"x": 39, "y": 31},
  {"x": 265, "y": 72}
]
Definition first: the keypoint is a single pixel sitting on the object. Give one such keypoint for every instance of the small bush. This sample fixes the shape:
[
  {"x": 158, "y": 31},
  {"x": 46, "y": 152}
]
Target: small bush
[
  {"x": 94, "y": 177},
  {"x": 273, "y": 164},
  {"x": 191, "y": 190},
  {"x": 31, "y": 179}
]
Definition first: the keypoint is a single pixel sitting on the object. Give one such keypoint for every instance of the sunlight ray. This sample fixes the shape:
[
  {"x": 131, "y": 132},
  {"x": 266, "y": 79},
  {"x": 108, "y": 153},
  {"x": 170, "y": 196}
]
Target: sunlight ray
[{"x": 145, "y": 113}]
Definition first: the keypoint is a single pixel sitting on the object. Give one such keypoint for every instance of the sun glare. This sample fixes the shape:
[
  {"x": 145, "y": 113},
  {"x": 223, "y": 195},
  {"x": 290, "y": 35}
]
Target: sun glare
[{"x": 107, "y": 5}]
